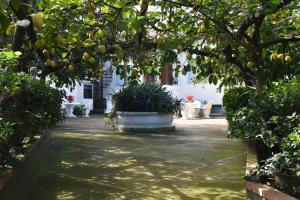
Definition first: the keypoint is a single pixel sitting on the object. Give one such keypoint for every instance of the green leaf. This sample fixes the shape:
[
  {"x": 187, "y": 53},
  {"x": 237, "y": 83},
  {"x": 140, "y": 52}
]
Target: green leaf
[
  {"x": 18, "y": 53},
  {"x": 64, "y": 54},
  {"x": 149, "y": 70},
  {"x": 4, "y": 3},
  {"x": 16, "y": 4},
  {"x": 4, "y": 22},
  {"x": 119, "y": 4}
]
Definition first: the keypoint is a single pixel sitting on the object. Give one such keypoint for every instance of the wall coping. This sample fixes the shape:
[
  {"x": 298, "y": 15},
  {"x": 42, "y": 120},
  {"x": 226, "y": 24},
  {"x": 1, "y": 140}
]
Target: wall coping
[
  {"x": 262, "y": 190},
  {"x": 141, "y": 113},
  {"x": 7, "y": 174}
]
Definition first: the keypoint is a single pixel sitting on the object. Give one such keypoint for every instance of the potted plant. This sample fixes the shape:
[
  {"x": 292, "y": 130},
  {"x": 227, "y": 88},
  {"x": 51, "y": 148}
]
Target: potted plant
[
  {"x": 70, "y": 98},
  {"x": 78, "y": 110},
  {"x": 283, "y": 166},
  {"x": 144, "y": 108},
  {"x": 189, "y": 98}
]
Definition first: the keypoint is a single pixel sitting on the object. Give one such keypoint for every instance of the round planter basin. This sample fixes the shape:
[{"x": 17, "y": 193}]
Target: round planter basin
[{"x": 144, "y": 122}]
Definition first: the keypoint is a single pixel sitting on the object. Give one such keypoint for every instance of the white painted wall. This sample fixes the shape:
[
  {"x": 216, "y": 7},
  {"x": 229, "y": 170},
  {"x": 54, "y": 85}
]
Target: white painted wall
[
  {"x": 77, "y": 92},
  {"x": 203, "y": 92}
]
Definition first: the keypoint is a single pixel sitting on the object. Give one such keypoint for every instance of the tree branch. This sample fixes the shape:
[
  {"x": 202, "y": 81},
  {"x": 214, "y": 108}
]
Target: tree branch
[
  {"x": 249, "y": 21},
  {"x": 294, "y": 38}
]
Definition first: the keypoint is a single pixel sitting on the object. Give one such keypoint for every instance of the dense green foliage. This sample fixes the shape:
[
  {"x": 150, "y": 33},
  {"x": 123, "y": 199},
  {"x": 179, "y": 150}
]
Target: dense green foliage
[
  {"x": 27, "y": 106},
  {"x": 78, "y": 110},
  {"x": 144, "y": 98},
  {"x": 252, "y": 43},
  {"x": 236, "y": 98},
  {"x": 272, "y": 120},
  {"x": 235, "y": 41}
]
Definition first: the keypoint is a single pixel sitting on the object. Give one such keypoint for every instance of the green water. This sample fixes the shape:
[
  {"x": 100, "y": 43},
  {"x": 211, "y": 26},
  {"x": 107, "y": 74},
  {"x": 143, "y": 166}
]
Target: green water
[{"x": 85, "y": 165}]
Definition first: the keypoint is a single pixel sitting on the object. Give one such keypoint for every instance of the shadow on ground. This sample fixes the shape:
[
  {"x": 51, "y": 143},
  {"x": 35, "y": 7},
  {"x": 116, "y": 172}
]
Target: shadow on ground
[{"x": 86, "y": 160}]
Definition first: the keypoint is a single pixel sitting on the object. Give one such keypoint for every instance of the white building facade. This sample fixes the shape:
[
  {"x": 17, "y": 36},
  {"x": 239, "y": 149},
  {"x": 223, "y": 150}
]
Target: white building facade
[{"x": 182, "y": 86}]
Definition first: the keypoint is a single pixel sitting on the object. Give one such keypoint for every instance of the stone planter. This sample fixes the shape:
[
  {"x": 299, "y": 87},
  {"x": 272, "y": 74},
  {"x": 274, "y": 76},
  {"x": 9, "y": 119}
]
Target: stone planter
[
  {"x": 259, "y": 191},
  {"x": 144, "y": 122},
  {"x": 289, "y": 180}
]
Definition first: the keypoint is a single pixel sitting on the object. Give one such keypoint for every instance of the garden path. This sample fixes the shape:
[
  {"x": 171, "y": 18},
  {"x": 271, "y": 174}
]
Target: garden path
[{"x": 88, "y": 161}]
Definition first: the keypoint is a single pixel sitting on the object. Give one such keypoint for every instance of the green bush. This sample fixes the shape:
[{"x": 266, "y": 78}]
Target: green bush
[
  {"x": 273, "y": 114},
  {"x": 272, "y": 120},
  {"x": 78, "y": 110},
  {"x": 28, "y": 105},
  {"x": 237, "y": 98},
  {"x": 144, "y": 98}
]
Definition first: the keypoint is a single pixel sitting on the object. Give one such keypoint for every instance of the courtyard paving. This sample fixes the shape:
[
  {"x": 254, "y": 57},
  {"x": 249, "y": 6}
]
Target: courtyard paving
[{"x": 88, "y": 160}]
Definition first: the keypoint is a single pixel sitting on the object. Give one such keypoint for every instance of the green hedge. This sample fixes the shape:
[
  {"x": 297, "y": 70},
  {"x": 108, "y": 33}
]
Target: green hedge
[
  {"x": 27, "y": 106},
  {"x": 272, "y": 120}
]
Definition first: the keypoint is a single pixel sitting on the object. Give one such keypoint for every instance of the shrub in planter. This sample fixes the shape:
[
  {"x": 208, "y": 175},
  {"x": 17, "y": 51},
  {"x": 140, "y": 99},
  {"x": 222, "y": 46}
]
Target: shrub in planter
[
  {"x": 144, "y": 98},
  {"x": 272, "y": 120},
  {"x": 284, "y": 166},
  {"x": 144, "y": 108},
  {"x": 78, "y": 110}
]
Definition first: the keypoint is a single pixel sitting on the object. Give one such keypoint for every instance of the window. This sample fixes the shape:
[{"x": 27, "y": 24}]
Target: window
[
  {"x": 190, "y": 77},
  {"x": 119, "y": 79},
  {"x": 87, "y": 91}
]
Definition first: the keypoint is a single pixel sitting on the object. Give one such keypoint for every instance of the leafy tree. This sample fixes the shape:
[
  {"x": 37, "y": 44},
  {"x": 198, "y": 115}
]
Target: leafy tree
[{"x": 251, "y": 42}]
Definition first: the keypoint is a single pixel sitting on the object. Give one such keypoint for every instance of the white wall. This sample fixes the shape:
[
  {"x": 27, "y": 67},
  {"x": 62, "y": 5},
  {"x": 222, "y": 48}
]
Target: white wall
[
  {"x": 77, "y": 92},
  {"x": 203, "y": 91}
]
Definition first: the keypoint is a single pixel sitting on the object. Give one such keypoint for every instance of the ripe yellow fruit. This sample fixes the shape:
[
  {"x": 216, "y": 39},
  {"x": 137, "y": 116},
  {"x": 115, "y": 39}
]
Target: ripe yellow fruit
[
  {"x": 102, "y": 49},
  {"x": 100, "y": 72},
  {"x": 214, "y": 60},
  {"x": 39, "y": 43},
  {"x": 159, "y": 38},
  {"x": 92, "y": 60},
  {"x": 124, "y": 34},
  {"x": 202, "y": 28},
  {"x": 11, "y": 29},
  {"x": 280, "y": 57},
  {"x": 37, "y": 21},
  {"x": 91, "y": 15},
  {"x": 189, "y": 56},
  {"x": 91, "y": 35},
  {"x": 100, "y": 33},
  {"x": 213, "y": 39},
  {"x": 66, "y": 61},
  {"x": 273, "y": 56},
  {"x": 53, "y": 64},
  {"x": 250, "y": 64},
  {"x": 71, "y": 68},
  {"x": 48, "y": 63},
  {"x": 59, "y": 39},
  {"x": 86, "y": 45},
  {"x": 183, "y": 71},
  {"x": 288, "y": 59},
  {"x": 179, "y": 49},
  {"x": 144, "y": 3},
  {"x": 85, "y": 56}
]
